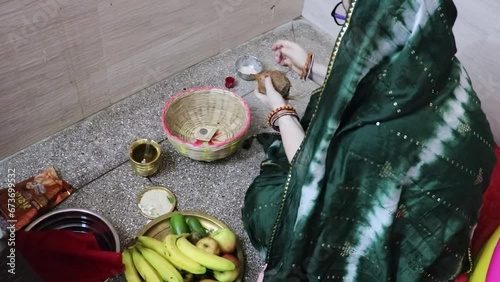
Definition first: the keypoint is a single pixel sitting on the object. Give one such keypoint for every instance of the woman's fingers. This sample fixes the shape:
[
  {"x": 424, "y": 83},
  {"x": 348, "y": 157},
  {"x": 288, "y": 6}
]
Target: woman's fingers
[
  {"x": 262, "y": 98},
  {"x": 258, "y": 94},
  {"x": 278, "y": 45},
  {"x": 296, "y": 69},
  {"x": 269, "y": 84},
  {"x": 288, "y": 52},
  {"x": 279, "y": 56},
  {"x": 287, "y": 62}
]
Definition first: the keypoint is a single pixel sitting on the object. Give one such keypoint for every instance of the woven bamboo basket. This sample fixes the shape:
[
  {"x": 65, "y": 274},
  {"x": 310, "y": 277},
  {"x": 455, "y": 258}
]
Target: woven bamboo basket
[{"x": 206, "y": 124}]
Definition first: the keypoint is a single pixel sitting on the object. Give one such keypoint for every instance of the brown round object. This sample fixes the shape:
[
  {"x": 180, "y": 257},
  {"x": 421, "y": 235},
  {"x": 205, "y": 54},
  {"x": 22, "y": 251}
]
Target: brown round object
[{"x": 280, "y": 82}]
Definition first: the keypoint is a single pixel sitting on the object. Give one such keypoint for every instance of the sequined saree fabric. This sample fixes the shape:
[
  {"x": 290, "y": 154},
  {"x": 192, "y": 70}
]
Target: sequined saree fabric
[{"x": 387, "y": 183}]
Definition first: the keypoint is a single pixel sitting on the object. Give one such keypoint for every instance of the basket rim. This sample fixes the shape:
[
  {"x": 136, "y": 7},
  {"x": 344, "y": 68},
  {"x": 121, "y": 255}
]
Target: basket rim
[{"x": 173, "y": 98}]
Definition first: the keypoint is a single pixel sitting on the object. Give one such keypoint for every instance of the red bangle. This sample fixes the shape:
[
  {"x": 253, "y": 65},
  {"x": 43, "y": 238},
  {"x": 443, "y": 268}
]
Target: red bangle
[
  {"x": 272, "y": 113},
  {"x": 309, "y": 72},
  {"x": 280, "y": 115},
  {"x": 307, "y": 65},
  {"x": 279, "y": 112}
]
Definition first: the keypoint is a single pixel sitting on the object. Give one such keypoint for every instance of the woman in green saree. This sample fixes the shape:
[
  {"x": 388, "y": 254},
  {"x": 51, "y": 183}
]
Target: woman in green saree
[{"x": 382, "y": 178}]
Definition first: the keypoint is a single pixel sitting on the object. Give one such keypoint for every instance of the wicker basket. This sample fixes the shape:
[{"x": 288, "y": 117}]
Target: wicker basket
[{"x": 206, "y": 124}]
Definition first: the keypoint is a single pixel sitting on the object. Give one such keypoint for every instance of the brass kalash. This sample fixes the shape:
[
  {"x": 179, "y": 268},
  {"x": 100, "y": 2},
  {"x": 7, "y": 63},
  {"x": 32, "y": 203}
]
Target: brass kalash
[{"x": 144, "y": 155}]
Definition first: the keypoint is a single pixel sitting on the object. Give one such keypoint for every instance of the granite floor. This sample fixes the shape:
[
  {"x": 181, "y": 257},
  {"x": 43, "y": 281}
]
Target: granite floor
[{"x": 92, "y": 154}]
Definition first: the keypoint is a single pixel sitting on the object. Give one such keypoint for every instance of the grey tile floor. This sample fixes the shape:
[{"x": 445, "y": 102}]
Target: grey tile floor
[{"x": 92, "y": 154}]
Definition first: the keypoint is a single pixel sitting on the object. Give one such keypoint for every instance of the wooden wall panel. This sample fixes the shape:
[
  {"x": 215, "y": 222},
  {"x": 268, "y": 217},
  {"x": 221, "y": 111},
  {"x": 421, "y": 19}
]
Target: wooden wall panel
[
  {"x": 126, "y": 31},
  {"x": 36, "y": 92},
  {"x": 81, "y": 27},
  {"x": 63, "y": 60},
  {"x": 140, "y": 70},
  {"x": 253, "y": 17}
]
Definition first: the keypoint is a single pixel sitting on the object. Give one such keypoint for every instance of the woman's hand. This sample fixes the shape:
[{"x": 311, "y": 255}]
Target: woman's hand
[
  {"x": 271, "y": 98},
  {"x": 291, "y": 130},
  {"x": 290, "y": 54}
]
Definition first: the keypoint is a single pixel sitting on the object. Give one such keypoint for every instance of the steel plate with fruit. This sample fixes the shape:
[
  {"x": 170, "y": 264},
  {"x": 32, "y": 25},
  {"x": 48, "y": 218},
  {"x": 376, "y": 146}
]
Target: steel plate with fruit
[{"x": 185, "y": 247}]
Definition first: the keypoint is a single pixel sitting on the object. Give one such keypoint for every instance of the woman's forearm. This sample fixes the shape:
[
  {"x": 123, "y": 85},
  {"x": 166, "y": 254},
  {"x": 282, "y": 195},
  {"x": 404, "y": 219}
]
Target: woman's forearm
[
  {"x": 291, "y": 130},
  {"x": 318, "y": 73},
  {"x": 292, "y": 135}
]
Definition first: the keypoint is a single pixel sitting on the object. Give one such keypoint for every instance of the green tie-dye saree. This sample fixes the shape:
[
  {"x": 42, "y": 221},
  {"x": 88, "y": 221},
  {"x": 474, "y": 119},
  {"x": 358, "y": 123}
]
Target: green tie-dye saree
[{"x": 387, "y": 183}]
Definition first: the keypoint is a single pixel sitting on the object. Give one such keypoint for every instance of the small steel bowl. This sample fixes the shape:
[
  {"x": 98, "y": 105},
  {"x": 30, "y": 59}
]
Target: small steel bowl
[
  {"x": 170, "y": 196},
  {"x": 81, "y": 221},
  {"x": 248, "y": 65}
]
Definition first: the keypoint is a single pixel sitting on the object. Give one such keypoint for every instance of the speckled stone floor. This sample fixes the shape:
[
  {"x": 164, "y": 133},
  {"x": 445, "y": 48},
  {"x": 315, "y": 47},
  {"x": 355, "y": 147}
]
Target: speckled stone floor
[{"x": 92, "y": 154}]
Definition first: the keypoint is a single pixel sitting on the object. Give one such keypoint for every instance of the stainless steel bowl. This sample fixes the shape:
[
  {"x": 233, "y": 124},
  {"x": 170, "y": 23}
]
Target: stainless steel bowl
[
  {"x": 80, "y": 220},
  {"x": 247, "y": 65}
]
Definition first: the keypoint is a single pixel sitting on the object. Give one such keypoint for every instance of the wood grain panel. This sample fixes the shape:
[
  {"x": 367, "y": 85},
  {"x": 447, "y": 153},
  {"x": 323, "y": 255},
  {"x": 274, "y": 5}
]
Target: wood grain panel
[
  {"x": 85, "y": 55},
  {"x": 126, "y": 31},
  {"x": 63, "y": 60},
  {"x": 35, "y": 86},
  {"x": 38, "y": 118},
  {"x": 253, "y": 17},
  {"x": 145, "y": 68}
]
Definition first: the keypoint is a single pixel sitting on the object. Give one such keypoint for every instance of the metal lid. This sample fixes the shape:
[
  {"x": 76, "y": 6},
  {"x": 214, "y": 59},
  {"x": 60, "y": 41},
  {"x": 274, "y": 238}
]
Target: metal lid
[{"x": 156, "y": 201}]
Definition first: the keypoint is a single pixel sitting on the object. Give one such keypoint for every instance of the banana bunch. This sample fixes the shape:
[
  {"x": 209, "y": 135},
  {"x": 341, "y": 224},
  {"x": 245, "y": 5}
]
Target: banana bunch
[
  {"x": 184, "y": 254},
  {"x": 147, "y": 260},
  {"x": 154, "y": 260}
]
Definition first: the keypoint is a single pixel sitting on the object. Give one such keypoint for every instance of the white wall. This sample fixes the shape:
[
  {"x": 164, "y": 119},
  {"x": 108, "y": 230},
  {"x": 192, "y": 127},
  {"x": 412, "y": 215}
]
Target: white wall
[
  {"x": 318, "y": 12},
  {"x": 477, "y": 34}
]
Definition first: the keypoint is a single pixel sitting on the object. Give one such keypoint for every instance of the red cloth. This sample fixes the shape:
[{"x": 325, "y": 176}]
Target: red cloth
[
  {"x": 489, "y": 217},
  {"x": 462, "y": 278},
  {"x": 63, "y": 255}
]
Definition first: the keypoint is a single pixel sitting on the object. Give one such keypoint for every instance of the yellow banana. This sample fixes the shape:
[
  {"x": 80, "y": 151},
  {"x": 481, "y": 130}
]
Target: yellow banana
[
  {"x": 131, "y": 274},
  {"x": 153, "y": 244},
  {"x": 179, "y": 259},
  {"x": 166, "y": 270},
  {"x": 204, "y": 258},
  {"x": 147, "y": 272}
]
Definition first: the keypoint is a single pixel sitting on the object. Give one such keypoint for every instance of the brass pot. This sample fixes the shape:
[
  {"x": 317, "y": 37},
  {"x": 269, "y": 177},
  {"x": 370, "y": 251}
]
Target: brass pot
[{"x": 144, "y": 164}]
